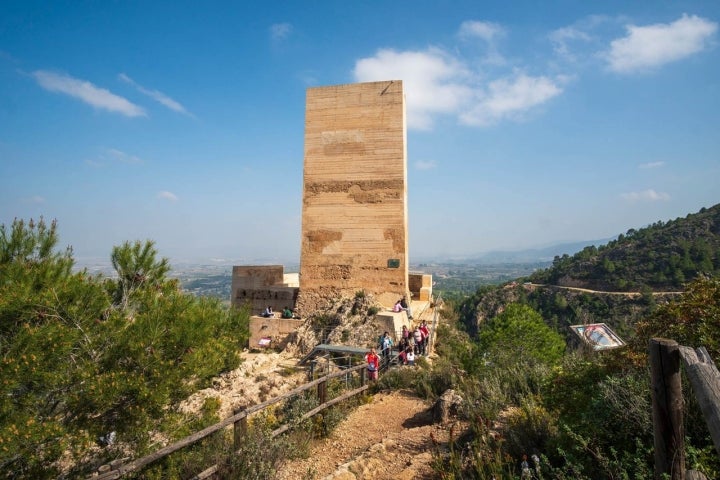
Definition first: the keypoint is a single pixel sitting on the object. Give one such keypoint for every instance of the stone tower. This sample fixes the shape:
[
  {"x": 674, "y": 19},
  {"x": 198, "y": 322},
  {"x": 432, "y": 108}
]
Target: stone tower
[{"x": 354, "y": 214}]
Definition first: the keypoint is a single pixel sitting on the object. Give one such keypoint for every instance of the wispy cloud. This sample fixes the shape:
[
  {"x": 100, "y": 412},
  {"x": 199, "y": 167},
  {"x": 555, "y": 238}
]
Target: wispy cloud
[
  {"x": 123, "y": 157},
  {"x": 87, "y": 92},
  {"x": 280, "y": 31},
  {"x": 34, "y": 200},
  {"x": 510, "y": 98},
  {"x": 651, "y": 165},
  {"x": 563, "y": 38},
  {"x": 112, "y": 155},
  {"x": 572, "y": 43},
  {"x": 649, "y": 195},
  {"x": 651, "y": 46},
  {"x": 487, "y": 31},
  {"x": 308, "y": 77},
  {"x": 165, "y": 195},
  {"x": 156, "y": 95},
  {"x": 425, "y": 164}
]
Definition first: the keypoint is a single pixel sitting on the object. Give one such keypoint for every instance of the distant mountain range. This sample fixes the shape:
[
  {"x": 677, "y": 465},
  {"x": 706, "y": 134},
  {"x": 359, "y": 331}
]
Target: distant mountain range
[{"x": 532, "y": 255}]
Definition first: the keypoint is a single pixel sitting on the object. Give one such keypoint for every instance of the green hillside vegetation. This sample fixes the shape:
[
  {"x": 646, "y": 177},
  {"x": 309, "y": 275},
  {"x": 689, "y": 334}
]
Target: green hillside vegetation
[
  {"x": 90, "y": 367},
  {"x": 586, "y": 414},
  {"x": 660, "y": 257}
]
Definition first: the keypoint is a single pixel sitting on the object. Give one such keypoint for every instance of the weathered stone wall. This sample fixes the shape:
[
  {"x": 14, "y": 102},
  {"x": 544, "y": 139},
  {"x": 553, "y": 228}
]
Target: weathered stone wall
[
  {"x": 354, "y": 221},
  {"x": 420, "y": 286},
  {"x": 261, "y": 285}
]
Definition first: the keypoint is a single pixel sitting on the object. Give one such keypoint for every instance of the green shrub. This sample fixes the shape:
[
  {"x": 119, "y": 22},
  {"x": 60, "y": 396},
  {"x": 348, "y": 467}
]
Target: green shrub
[{"x": 83, "y": 356}]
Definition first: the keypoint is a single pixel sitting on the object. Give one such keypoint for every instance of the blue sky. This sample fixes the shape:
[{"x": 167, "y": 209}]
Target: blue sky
[{"x": 183, "y": 122}]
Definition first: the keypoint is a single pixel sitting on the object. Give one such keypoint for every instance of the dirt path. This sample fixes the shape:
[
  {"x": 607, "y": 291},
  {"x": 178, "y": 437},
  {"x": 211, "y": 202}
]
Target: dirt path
[
  {"x": 578, "y": 289},
  {"x": 391, "y": 437}
]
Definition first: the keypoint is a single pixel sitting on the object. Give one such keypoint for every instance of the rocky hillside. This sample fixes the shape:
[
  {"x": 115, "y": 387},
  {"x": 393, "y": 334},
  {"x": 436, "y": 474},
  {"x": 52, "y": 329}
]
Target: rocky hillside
[
  {"x": 340, "y": 320},
  {"x": 617, "y": 283}
]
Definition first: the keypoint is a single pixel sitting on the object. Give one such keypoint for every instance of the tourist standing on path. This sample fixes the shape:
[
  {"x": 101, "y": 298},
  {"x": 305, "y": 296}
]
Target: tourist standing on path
[
  {"x": 373, "y": 362},
  {"x": 405, "y": 333},
  {"x": 403, "y": 347},
  {"x": 417, "y": 336},
  {"x": 406, "y": 307},
  {"x": 386, "y": 344},
  {"x": 525, "y": 468},
  {"x": 410, "y": 358},
  {"x": 425, "y": 336}
]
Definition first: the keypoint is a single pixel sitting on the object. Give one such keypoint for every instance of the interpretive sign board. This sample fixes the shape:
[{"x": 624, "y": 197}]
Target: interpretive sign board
[{"x": 598, "y": 335}]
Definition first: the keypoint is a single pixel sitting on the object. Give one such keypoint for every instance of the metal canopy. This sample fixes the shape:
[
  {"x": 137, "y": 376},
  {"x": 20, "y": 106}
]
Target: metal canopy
[{"x": 328, "y": 348}]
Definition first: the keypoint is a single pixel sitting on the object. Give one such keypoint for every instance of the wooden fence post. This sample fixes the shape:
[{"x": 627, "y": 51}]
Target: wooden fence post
[
  {"x": 239, "y": 429},
  {"x": 322, "y": 392},
  {"x": 667, "y": 411},
  {"x": 705, "y": 380}
]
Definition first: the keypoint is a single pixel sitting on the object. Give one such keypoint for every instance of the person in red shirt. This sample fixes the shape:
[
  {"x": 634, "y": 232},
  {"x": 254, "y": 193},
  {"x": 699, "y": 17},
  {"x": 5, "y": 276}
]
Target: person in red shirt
[
  {"x": 373, "y": 362},
  {"x": 425, "y": 334}
]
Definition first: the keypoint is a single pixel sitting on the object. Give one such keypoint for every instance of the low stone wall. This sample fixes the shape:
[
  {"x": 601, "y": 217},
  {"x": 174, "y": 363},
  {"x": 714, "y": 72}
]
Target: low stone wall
[
  {"x": 278, "y": 330},
  {"x": 392, "y": 322},
  {"x": 261, "y": 285},
  {"x": 420, "y": 286}
]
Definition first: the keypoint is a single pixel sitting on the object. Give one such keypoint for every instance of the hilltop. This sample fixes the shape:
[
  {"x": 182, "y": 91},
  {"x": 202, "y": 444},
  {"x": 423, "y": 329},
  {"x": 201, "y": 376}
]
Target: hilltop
[{"x": 660, "y": 257}]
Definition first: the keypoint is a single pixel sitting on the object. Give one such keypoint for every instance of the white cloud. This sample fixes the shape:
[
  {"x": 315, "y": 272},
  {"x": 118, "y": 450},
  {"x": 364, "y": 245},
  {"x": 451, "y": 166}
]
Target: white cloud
[
  {"x": 280, "y": 31},
  {"x": 510, "y": 98},
  {"x": 438, "y": 83},
  {"x": 123, "y": 157},
  {"x": 112, "y": 155},
  {"x": 165, "y": 195},
  {"x": 35, "y": 200},
  {"x": 87, "y": 92},
  {"x": 488, "y": 32},
  {"x": 425, "y": 164},
  {"x": 571, "y": 43},
  {"x": 655, "y": 45},
  {"x": 563, "y": 37},
  {"x": 155, "y": 95},
  {"x": 484, "y": 30},
  {"x": 651, "y": 165},
  {"x": 649, "y": 195},
  {"x": 431, "y": 80}
]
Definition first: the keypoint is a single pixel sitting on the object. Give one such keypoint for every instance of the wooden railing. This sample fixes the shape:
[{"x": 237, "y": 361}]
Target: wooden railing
[
  {"x": 668, "y": 426},
  {"x": 239, "y": 422}
]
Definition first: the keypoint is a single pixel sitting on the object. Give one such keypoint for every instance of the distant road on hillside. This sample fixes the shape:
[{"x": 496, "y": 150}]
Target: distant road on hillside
[{"x": 587, "y": 290}]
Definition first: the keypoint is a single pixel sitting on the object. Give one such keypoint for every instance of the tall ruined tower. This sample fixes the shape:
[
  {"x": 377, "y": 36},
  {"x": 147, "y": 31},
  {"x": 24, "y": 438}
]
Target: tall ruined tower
[{"x": 354, "y": 215}]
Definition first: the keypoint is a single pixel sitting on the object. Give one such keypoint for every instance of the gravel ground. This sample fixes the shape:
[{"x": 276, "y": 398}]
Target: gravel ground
[{"x": 391, "y": 437}]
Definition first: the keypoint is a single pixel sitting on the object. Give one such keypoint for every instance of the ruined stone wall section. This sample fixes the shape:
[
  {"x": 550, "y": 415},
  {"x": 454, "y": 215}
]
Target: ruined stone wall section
[
  {"x": 258, "y": 286},
  {"x": 354, "y": 222}
]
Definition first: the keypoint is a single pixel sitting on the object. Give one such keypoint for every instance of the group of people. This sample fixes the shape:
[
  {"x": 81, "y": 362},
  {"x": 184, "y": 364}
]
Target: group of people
[
  {"x": 415, "y": 340},
  {"x": 411, "y": 343},
  {"x": 402, "y": 306},
  {"x": 286, "y": 312},
  {"x": 528, "y": 472}
]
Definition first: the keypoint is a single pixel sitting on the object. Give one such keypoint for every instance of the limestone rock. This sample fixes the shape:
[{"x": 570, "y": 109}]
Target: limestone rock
[{"x": 446, "y": 406}]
